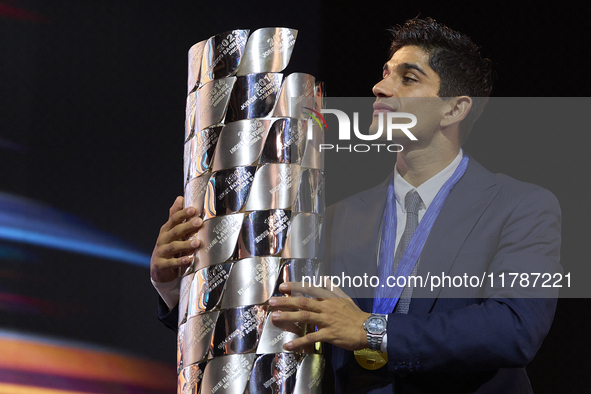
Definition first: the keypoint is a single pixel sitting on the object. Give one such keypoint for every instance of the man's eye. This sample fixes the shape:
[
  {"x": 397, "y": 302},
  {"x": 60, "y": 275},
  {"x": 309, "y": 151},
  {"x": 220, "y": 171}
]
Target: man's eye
[{"x": 409, "y": 79}]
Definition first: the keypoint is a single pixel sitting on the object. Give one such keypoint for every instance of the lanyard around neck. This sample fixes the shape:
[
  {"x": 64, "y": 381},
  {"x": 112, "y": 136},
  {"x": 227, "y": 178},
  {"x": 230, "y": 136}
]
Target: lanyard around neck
[{"x": 386, "y": 296}]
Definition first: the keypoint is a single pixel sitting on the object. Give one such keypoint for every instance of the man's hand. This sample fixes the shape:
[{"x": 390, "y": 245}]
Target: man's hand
[
  {"x": 339, "y": 320},
  {"x": 164, "y": 266}
]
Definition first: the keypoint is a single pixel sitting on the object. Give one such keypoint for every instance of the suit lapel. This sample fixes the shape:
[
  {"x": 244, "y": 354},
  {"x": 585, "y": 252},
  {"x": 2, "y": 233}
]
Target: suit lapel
[
  {"x": 360, "y": 232},
  {"x": 461, "y": 210}
]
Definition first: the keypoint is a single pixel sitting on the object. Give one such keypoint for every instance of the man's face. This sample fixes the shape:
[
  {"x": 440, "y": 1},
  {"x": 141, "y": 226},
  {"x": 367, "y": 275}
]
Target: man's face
[{"x": 410, "y": 85}]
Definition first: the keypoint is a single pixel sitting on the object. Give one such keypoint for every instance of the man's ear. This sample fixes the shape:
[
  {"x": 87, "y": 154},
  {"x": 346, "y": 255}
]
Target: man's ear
[{"x": 456, "y": 110}]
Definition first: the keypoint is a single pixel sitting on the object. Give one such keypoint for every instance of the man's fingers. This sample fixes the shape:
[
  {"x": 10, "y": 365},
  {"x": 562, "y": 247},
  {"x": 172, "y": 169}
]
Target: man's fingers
[
  {"x": 178, "y": 218},
  {"x": 176, "y": 207},
  {"x": 339, "y": 293},
  {"x": 307, "y": 304},
  {"x": 177, "y": 262},
  {"x": 173, "y": 248},
  {"x": 177, "y": 214},
  {"x": 312, "y": 291},
  {"x": 180, "y": 230},
  {"x": 178, "y": 204},
  {"x": 306, "y": 340},
  {"x": 298, "y": 317},
  {"x": 316, "y": 292},
  {"x": 163, "y": 270},
  {"x": 174, "y": 262}
]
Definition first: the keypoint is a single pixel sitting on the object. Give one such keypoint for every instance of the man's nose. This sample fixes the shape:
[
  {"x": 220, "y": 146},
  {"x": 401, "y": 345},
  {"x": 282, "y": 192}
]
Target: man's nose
[{"x": 382, "y": 89}]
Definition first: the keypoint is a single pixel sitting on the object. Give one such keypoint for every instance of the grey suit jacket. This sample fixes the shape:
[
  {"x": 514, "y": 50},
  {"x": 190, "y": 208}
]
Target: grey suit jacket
[{"x": 480, "y": 341}]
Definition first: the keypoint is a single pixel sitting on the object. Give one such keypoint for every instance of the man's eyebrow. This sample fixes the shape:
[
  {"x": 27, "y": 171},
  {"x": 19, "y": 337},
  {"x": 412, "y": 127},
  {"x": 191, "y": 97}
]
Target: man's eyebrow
[{"x": 407, "y": 66}]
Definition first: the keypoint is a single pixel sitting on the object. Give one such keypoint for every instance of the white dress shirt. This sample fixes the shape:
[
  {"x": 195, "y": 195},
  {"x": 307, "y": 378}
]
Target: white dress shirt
[
  {"x": 169, "y": 291},
  {"x": 427, "y": 191}
]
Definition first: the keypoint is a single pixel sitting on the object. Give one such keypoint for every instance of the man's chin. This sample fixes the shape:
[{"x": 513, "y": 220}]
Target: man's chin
[
  {"x": 398, "y": 137},
  {"x": 374, "y": 129}
]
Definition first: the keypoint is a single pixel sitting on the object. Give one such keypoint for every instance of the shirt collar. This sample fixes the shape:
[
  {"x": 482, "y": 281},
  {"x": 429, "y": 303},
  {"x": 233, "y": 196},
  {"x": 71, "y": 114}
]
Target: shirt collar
[{"x": 429, "y": 189}]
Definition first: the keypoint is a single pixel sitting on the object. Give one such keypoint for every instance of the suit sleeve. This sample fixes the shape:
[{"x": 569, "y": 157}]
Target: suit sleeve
[
  {"x": 167, "y": 316},
  {"x": 504, "y": 328}
]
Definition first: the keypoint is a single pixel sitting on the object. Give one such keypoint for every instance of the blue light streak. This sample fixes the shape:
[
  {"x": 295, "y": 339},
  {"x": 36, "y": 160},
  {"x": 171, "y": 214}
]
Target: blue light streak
[
  {"x": 26, "y": 221},
  {"x": 72, "y": 245}
]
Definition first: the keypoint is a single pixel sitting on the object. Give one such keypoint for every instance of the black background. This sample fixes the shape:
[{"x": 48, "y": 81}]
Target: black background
[{"x": 93, "y": 92}]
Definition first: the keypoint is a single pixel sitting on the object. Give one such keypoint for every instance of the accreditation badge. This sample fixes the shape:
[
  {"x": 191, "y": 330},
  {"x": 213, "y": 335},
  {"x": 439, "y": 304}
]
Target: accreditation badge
[{"x": 371, "y": 359}]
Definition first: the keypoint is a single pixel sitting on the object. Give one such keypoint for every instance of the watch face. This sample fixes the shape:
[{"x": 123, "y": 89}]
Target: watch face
[{"x": 376, "y": 325}]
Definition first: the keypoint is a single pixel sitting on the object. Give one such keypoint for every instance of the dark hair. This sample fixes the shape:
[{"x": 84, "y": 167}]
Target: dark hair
[{"x": 455, "y": 58}]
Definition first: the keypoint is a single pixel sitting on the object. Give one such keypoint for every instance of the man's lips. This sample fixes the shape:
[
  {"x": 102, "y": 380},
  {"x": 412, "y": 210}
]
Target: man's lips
[{"x": 381, "y": 107}]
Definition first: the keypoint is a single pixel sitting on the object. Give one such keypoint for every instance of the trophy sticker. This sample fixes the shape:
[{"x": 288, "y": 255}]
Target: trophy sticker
[
  {"x": 251, "y": 282},
  {"x": 191, "y": 255},
  {"x": 309, "y": 375},
  {"x": 222, "y": 55},
  {"x": 303, "y": 240},
  {"x": 320, "y": 93},
  {"x": 190, "y": 108},
  {"x": 268, "y": 50},
  {"x": 228, "y": 191},
  {"x": 227, "y": 374},
  {"x": 212, "y": 101},
  {"x": 218, "y": 237},
  {"x": 198, "y": 335},
  {"x": 240, "y": 143},
  {"x": 286, "y": 142},
  {"x": 180, "y": 346},
  {"x": 310, "y": 193},
  {"x": 200, "y": 151},
  {"x": 253, "y": 96},
  {"x": 273, "y": 187},
  {"x": 207, "y": 288},
  {"x": 195, "y": 58},
  {"x": 274, "y": 373},
  {"x": 186, "y": 162},
  {"x": 263, "y": 233},
  {"x": 195, "y": 193},
  {"x": 238, "y": 330},
  {"x": 313, "y": 156},
  {"x": 297, "y": 93},
  {"x": 295, "y": 270},
  {"x": 274, "y": 336},
  {"x": 189, "y": 380},
  {"x": 184, "y": 296}
]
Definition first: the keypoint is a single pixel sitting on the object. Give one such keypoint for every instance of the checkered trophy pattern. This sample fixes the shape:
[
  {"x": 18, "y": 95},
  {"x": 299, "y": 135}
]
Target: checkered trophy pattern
[{"x": 254, "y": 173}]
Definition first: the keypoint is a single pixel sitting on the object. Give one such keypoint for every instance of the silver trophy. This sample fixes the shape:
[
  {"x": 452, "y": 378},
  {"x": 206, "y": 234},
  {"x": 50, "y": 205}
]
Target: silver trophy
[{"x": 253, "y": 170}]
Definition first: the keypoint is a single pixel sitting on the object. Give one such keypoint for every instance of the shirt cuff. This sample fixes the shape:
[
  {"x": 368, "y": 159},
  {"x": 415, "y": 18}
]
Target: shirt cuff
[
  {"x": 384, "y": 344},
  {"x": 169, "y": 291}
]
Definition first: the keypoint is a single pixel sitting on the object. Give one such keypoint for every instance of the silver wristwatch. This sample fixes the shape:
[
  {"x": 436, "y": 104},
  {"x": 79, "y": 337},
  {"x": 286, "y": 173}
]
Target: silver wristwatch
[{"x": 375, "y": 326}]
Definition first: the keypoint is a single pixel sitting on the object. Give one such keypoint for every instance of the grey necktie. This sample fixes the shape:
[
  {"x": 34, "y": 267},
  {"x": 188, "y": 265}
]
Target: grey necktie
[{"x": 412, "y": 201}]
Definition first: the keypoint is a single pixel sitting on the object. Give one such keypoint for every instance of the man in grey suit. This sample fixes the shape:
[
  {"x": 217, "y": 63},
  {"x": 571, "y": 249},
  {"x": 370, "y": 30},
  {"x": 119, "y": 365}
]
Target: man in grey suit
[
  {"x": 445, "y": 341},
  {"x": 442, "y": 213}
]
